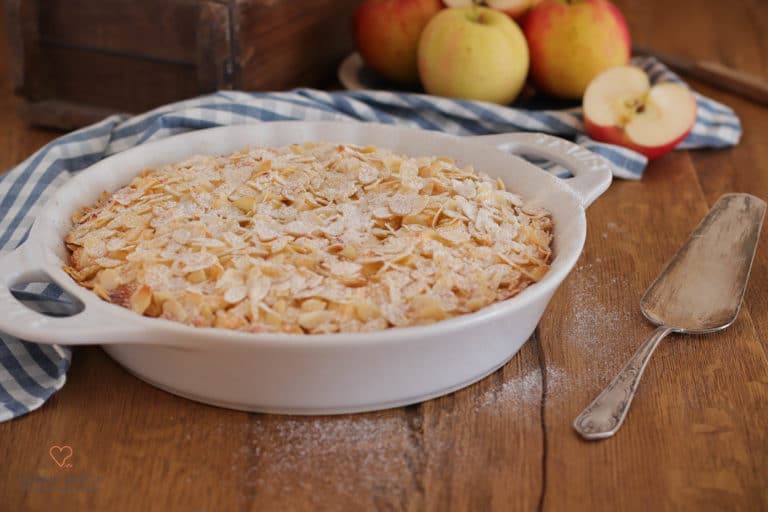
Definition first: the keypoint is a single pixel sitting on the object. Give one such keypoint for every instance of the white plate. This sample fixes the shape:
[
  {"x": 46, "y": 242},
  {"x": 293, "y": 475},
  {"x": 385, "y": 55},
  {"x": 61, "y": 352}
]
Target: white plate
[{"x": 354, "y": 75}]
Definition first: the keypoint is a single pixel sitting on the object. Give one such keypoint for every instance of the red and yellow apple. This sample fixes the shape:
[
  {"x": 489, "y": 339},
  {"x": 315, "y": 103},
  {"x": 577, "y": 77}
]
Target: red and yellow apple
[
  {"x": 622, "y": 107},
  {"x": 573, "y": 41},
  {"x": 387, "y": 35},
  {"x": 514, "y": 8},
  {"x": 473, "y": 53}
]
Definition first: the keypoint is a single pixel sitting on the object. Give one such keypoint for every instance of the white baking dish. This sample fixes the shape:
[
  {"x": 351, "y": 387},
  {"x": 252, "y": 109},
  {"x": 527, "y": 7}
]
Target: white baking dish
[{"x": 309, "y": 374}]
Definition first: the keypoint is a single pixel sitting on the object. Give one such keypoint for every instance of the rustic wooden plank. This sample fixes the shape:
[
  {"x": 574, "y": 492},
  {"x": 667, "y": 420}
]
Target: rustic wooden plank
[
  {"x": 445, "y": 455},
  {"x": 694, "y": 440},
  {"x": 151, "y": 83},
  {"x": 689, "y": 440},
  {"x": 140, "y": 28},
  {"x": 87, "y": 70},
  {"x": 316, "y": 31},
  {"x": 348, "y": 462},
  {"x": 484, "y": 445},
  {"x": 17, "y": 140},
  {"x": 732, "y": 33},
  {"x": 214, "y": 48},
  {"x": 15, "y": 43},
  {"x": 135, "y": 447},
  {"x": 62, "y": 115},
  {"x": 24, "y": 39},
  {"x": 743, "y": 170}
]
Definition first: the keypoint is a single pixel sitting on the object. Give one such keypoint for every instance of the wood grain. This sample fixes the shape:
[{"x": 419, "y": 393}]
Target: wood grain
[
  {"x": 123, "y": 26},
  {"x": 150, "y": 81},
  {"x": 134, "y": 55},
  {"x": 694, "y": 440},
  {"x": 215, "y": 65},
  {"x": 299, "y": 33},
  {"x": 687, "y": 392}
]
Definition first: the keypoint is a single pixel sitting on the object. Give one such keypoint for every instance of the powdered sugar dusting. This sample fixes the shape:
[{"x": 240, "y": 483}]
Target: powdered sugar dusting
[
  {"x": 292, "y": 455},
  {"x": 343, "y": 455},
  {"x": 525, "y": 389},
  {"x": 592, "y": 319},
  {"x": 593, "y": 322}
]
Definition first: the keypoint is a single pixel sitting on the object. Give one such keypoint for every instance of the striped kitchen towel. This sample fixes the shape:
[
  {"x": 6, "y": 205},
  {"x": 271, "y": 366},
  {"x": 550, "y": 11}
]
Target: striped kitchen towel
[{"x": 31, "y": 373}]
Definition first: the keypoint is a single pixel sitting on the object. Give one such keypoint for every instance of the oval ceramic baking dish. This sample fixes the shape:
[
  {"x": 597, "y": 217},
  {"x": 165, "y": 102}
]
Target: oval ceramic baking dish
[{"x": 309, "y": 374}]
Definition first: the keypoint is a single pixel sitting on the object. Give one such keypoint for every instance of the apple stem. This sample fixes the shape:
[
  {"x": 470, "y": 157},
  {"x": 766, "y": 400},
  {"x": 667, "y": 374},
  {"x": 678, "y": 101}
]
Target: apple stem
[{"x": 474, "y": 14}]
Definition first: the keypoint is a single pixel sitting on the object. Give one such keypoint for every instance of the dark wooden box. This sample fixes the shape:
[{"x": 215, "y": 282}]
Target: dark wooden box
[{"x": 75, "y": 61}]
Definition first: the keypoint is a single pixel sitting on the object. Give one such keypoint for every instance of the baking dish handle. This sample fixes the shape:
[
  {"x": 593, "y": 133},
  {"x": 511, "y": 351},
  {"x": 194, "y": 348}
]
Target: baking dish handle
[
  {"x": 86, "y": 327},
  {"x": 592, "y": 174}
]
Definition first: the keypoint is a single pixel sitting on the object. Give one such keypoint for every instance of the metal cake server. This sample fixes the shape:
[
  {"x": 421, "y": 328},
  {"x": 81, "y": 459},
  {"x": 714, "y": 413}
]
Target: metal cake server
[{"x": 699, "y": 291}]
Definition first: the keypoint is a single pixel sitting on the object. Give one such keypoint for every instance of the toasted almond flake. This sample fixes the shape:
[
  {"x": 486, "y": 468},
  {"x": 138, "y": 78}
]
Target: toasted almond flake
[
  {"x": 108, "y": 278},
  {"x": 245, "y": 204},
  {"x": 313, "y": 304},
  {"x": 173, "y": 310},
  {"x": 381, "y": 212},
  {"x": 464, "y": 188},
  {"x": 311, "y": 320},
  {"x": 232, "y": 239},
  {"x": 78, "y": 216},
  {"x": 196, "y": 261},
  {"x": 428, "y": 307},
  {"x": 366, "y": 310},
  {"x": 264, "y": 232},
  {"x": 108, "y": 262},
  {"x": 140, "y": 299},
  {"x": 126, "y": 195},
  {"x": 235, "y": 294},
  {"x": 335, "y": 229},
  {"x": 115, "y": 244},
  {"x": 207, "y": 242},
  {"x": 198, "y": 276},
  {"x": 259, "y": 287},
  {"x": 419, "y": 220},
  {"x": 367, "y": 174},
  {"x": 402, "y": 204},
  {"x": 349, "y": 251},
  {"x": 455, "y": 234},
  {"x": 100, "y": 291},
  {"x": 298, "y": 228}
]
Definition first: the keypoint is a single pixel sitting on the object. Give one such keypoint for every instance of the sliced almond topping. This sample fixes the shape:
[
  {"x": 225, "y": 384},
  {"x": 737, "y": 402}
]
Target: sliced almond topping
[
  {"x": 140, "y": 299},
  {"x": 311, "y": 320},
  {"x": 235, "y": 294},
  {"x": 310, "y": 238}
]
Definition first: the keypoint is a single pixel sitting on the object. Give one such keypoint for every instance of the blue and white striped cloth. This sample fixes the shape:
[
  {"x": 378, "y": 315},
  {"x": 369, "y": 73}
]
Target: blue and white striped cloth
[{"x": 31, "y": 373}]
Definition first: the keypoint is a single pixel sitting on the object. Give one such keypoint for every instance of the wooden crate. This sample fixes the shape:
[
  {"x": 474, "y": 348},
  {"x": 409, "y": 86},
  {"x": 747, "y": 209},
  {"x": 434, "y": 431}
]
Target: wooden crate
[{"x": 75, "y": 61}]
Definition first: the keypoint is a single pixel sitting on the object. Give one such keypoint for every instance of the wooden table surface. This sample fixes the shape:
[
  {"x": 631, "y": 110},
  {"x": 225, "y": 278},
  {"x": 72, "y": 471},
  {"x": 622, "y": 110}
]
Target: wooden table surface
[{"x": 696, "y": 438}]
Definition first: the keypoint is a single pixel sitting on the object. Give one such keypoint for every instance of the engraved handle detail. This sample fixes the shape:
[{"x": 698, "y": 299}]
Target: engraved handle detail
[{"x": 604, "y": 416}]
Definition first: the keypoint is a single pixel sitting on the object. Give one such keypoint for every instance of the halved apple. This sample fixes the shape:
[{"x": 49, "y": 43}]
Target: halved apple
[
  {"x": 621, "y": 107},
  {"x": 513, "y": 8}
]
